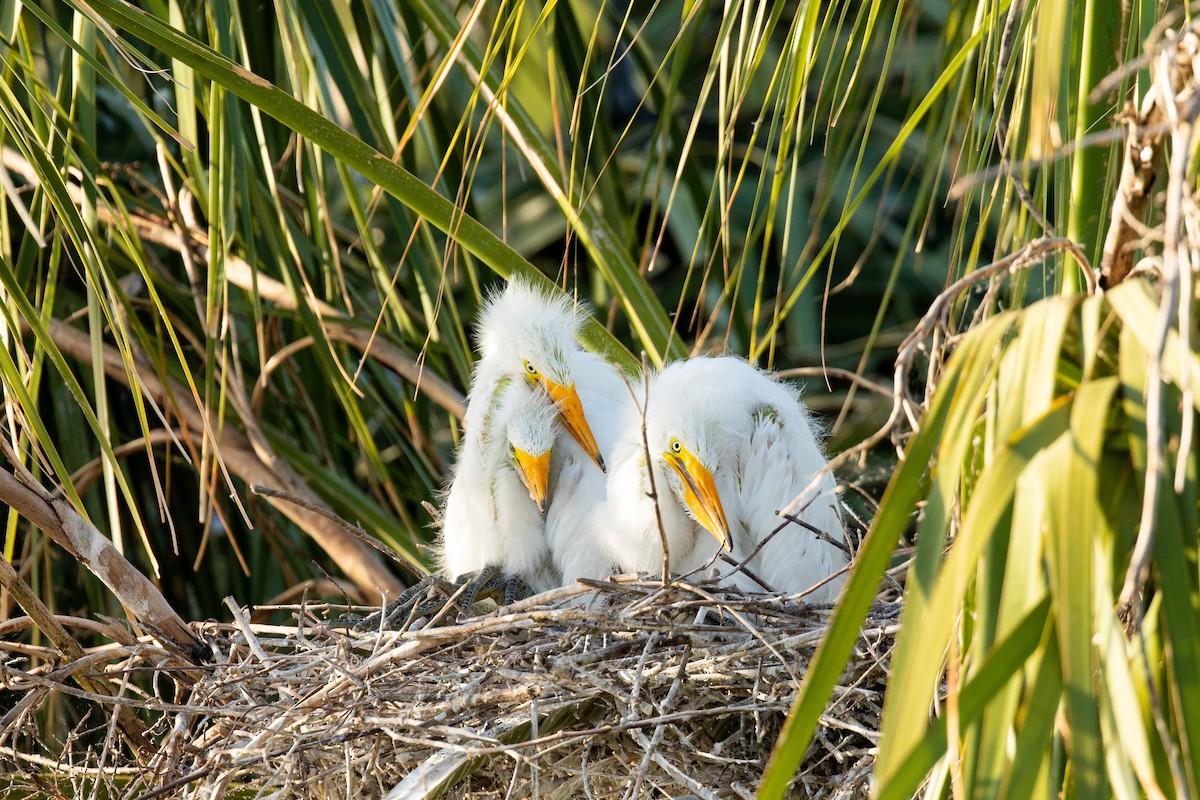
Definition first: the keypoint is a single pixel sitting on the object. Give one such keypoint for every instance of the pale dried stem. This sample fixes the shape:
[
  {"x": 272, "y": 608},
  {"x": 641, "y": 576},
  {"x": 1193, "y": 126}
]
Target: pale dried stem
[
  {"x": 930, "y": 336},
  {"x": 653, "y": 492},
  {"x": 1180, "y": 105},
  {"x": 141, "y": 599}
]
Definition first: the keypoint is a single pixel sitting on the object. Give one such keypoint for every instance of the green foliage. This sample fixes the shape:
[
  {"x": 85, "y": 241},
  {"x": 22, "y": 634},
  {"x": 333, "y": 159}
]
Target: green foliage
[
  {"x": 289, "y": 213},
  {"x": 1037, "y": 437},
  {"x": 342, "y": 170}
]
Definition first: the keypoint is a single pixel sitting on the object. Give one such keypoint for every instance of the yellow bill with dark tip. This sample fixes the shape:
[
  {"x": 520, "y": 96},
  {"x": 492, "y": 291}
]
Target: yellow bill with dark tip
[
  {"x": 570, "y": 413},
  {"x": 700, "y": 494},
  {"x": 535, "y": 474}
]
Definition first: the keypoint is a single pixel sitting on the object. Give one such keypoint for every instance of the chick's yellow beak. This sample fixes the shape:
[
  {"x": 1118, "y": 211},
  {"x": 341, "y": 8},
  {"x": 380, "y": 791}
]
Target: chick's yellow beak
[
  {"x": 570, "y": 413},
  {"x": 535, "y": 474},
  {"x": 700, "y": 494}
]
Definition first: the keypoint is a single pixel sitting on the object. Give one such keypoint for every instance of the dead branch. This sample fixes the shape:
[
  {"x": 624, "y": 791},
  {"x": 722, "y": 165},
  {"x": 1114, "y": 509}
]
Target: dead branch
[
  {"x": 137, "y": 594},
  {"x": 253, "y": 465}
]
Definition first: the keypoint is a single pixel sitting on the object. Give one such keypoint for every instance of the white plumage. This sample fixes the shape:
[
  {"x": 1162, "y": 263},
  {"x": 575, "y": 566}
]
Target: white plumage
[
  {"x": 532, "y": 384},
  {"x": 729, "y": 446},
  {"x": 576, "y": 518},
  {"x": 490, "y": 518}
]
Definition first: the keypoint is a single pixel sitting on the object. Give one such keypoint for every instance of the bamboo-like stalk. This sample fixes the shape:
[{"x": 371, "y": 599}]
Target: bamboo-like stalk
[{"x": 1090, "y": 166}]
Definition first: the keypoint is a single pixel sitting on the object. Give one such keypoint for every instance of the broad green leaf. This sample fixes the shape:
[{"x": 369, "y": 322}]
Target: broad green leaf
[
  {"x": 966, "y": 370},
  {"x": 1138, "y": 309},
  {"x": 1175, "y": 557},
  {"x": 924, "y": 636},
  {"x": 10, "y": 17},
  {"x": 1041, "y": 702},
  {"x": 999, "y": 666},
  {"x": 595, "y": 234},
  {"x": 1011, "y": 569},
  {"x": 1074, "y": 522}
]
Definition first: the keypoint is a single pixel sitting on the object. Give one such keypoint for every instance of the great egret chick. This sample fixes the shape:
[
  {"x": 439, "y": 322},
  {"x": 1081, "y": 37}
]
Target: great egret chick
[
  {"x": 493, "y": 521},
  {"x": 528, "y": 333},
  {"x": 531, "y": 428},
  {"x": 532, "y": 385},
  {"x": 729, "y": 447}
]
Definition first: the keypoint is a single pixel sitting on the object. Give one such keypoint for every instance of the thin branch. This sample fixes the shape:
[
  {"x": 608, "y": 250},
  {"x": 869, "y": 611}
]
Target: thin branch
[
  {"x": 933, "y": 323},
  {"x": 360, "y": 533},
  {"x": 964, "y": 184},
  {"x": 820, "y": 534},
  {"x": 836, "y": 372},
  {"x": 653, "y": 493}
]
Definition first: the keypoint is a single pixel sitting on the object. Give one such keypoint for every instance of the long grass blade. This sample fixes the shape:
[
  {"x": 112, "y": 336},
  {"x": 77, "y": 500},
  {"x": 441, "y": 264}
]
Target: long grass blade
[
  {"x": 366, "y": 160},
  {"x": 966, "y": 371}
]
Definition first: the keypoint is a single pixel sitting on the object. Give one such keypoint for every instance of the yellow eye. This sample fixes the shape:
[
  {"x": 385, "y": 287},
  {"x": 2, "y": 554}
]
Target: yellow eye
[
  {"x": 531, "y": 370},
  {"x": 676, "y": 447}
]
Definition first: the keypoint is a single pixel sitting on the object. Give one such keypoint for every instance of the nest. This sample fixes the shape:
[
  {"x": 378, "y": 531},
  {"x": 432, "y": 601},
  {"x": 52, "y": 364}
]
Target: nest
[{"x": 619, "y": 689}]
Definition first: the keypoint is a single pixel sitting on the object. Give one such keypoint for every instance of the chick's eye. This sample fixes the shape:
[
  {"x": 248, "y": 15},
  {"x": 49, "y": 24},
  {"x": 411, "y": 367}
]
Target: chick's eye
[
  {"x": 530, "y": 368},
  {"x": 676, "y": 447}
]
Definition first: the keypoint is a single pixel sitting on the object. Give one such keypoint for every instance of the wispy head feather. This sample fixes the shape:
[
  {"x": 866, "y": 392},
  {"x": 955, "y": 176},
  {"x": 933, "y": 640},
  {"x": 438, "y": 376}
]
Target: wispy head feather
[
  {"x": 524, "y": 321},
  {"x": 531, "y": 417}
]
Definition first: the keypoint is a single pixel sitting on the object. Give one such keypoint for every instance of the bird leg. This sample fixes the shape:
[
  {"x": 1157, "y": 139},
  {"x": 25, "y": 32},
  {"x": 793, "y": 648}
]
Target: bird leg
[
  {"x": 487, "y": 582},
  {"x": 514, "y": 587},
  {"x": 432, "y": 594},
  {"x": 415, "y": 601},
  {"x": 426, "y": 597}
]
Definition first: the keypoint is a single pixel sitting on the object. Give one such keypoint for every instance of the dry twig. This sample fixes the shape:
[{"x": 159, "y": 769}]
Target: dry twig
[{"x": 584, "y": 699}]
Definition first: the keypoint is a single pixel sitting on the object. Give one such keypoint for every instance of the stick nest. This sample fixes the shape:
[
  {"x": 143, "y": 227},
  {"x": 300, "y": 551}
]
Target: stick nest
[{"x": 622, "y": 689}]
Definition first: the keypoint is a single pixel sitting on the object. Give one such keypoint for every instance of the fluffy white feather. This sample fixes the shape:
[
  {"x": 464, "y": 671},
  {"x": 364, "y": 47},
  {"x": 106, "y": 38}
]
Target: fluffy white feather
[
  {"x": 489, "y": 517},
  {"x": 761, "y": 448},
  {"x": 576, "y": 516},
  {"x": 534, "y": 389}
]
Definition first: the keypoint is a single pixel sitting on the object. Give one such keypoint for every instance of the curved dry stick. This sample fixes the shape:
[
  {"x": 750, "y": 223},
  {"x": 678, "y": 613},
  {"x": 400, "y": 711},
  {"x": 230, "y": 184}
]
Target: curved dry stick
[
  {"x": 107, "y": 629},
  {"x": 934, "y": 321},
  {"x": 836, "y": 372},
  {"x": 83, "y": 478},
  {"x": 409, "y": 563},
  {"x": 359, "y": 562}
]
